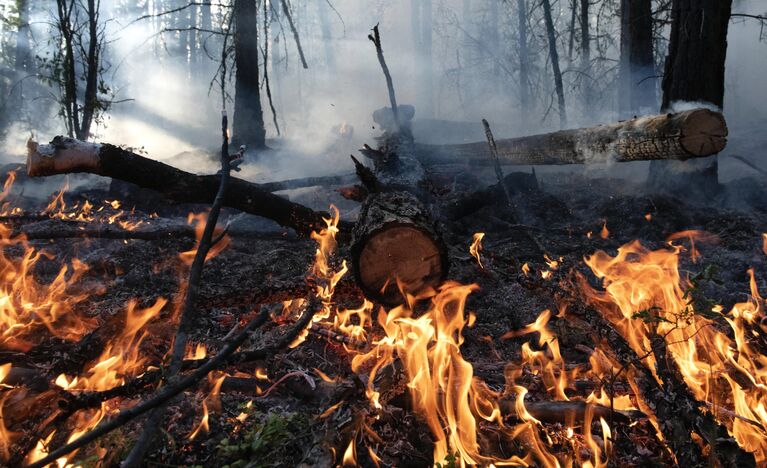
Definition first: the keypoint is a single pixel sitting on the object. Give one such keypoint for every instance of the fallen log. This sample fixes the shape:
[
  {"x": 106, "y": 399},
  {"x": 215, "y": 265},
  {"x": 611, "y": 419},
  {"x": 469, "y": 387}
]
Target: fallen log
[
  {"x": 67, "y": 155},
  {"x": 691, "y": 134}
]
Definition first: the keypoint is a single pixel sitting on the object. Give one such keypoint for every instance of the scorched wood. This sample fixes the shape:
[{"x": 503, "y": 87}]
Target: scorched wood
[
  {"x": 692, "y": 134},
  {"x": 67, "y": 155}
]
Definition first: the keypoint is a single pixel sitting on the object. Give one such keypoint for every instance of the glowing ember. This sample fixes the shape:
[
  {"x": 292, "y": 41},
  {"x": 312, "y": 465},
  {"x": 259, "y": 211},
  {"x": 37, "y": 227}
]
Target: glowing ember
[
  {"x": 476, "y": 247},
  {"x": 604, "y": 233}
]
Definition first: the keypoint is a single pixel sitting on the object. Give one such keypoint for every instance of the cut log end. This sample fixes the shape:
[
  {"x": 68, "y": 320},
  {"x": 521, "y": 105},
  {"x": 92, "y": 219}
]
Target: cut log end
[
  {"x": 399, "y": 256},
  {"x": 396, "y": 247},
  {"x": 703, "y": 133},
  {"x": 62, "y": 156}
]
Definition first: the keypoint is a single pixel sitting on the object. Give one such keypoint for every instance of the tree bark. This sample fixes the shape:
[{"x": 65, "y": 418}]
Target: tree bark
[
  {"x": 552, "y": 40},
  {"x": 248, "y": 120},
  {"x": 694, "y": 72},
  {"x": 691, "y": 134},
  {"x": 637, "y": 83},
  {"x": 65, "y": 155}
]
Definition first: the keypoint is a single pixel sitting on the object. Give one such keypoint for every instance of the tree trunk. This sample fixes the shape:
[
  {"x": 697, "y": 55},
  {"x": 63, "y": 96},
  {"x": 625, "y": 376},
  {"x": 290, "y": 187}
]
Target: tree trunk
[
  {"x": 586, "y": 56},
  {"x": 524, "y": 56},
  {"x": 66, "y": 155},
  {"x": 552, "y": 40},
  {"x": 637, "y": 69},
  {"x": 93, "y": 65},
  {"x": 248, "y": 125},
  {"x": 691, "y": 134},
  {"x": 694, "y": 72}
]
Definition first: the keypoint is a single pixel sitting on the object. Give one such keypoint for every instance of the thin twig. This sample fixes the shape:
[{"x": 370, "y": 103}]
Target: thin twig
[{"x": 496, "y": 161}]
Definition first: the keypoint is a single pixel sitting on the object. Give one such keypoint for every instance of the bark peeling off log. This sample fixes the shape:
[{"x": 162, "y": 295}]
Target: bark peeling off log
[
  {"x": 395, "y": 241},
  {"x": 66, "y": 155},
  {"x": 690, "y": 134}
]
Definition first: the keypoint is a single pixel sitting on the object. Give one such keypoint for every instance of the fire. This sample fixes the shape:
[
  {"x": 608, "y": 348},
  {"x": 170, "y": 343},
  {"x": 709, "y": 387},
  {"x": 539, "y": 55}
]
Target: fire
[
  {"x": 199, "y": 351},
  {"x": 203, "y": 426},
  {"x": 198, "y": 221},
  {"x": 121, "y": 356},
  {"x": 476, "y": 247},
  {"x": 604, "y": 233},
  {"x": 764, "y": 243},
  {"x": 5, "y": 207},
  {"x": 27, "y": 306},
  {"x": 644, "y": 295}
]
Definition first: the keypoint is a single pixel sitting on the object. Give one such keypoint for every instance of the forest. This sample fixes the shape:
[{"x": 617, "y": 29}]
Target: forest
[{"x": 383, "y": 233}]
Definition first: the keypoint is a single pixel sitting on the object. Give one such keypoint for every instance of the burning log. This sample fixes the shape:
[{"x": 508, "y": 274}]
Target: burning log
[
  {"x": 691, "y": 134},
  {"x": 67, "y": 155}
]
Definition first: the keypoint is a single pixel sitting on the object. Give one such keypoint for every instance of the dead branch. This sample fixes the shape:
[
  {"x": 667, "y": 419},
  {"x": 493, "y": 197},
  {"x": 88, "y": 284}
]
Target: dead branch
[
  {"x": 496, "y": 161},
  {"x": 375, "y": 38},
  {"x": 286, "y": 10},
  {"x": 66, "y": 155},
  {"x": 325, "y": 181},
  {"x": 189, "y": 312}
]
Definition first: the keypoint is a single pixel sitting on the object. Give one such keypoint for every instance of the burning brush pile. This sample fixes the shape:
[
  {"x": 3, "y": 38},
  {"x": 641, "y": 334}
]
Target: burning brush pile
[{"x": 592, "y": 352}]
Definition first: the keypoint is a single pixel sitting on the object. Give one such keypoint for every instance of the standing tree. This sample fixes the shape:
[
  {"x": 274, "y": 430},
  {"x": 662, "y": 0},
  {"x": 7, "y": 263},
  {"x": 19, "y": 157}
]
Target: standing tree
[
  {"x": 552, "y": 39},
  {"x": 637, "y": 70},
  {"x": 248, "y": 125},
  {"x": 77, "y": 64},
  {"x": 694, "y": 73}
]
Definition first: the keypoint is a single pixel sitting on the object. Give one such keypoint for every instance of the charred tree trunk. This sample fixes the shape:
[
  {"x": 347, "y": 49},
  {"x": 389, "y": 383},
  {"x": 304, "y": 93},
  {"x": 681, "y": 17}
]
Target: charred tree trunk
[
  {"x": 248, "y": 126},
  {"x": 65, "y": 155},
  {"x": 691, "y": 134},
  {"x": 552, "y": 40},
  {"x": 637, "y": 85},
  {"x": 694, "y": 72}
]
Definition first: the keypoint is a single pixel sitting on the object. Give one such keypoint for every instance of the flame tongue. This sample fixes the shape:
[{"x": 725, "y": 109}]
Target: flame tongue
[{"x": 645, "y": 296}]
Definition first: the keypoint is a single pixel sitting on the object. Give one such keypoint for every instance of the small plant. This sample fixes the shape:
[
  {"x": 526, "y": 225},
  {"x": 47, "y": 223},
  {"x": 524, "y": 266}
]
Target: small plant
[
  {"x": 265, "y": 443},
  {"x": 450, "y": 461}
]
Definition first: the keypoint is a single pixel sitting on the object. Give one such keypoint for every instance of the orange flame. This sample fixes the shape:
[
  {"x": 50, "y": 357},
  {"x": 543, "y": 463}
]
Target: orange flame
[
  {"x": 476, "y": 247},
  {"x": 644, "y": 295}
]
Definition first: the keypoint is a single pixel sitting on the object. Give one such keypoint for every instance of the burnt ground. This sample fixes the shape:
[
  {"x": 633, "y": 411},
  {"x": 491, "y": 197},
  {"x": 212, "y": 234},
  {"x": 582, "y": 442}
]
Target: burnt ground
[{"x": 264, "y": 265}]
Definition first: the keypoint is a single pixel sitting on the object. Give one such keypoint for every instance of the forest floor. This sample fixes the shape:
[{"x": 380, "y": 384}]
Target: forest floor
[{"x": 265, "y": 266}]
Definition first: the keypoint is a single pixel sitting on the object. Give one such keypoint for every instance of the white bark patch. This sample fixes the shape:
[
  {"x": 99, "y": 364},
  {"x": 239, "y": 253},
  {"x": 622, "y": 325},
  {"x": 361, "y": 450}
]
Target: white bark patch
[{"x": 65, "y": 156}]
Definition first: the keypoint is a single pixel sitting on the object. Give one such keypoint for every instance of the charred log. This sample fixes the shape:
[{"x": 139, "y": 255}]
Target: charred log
[
  {"x": 685, "y": 135},
  {"x": 66, "y": 155}
]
